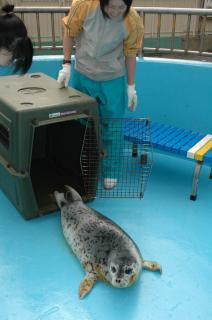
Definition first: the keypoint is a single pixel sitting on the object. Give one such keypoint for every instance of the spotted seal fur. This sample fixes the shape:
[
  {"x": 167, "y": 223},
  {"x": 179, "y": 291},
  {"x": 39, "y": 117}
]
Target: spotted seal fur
[{"x": 105, "y": 251}]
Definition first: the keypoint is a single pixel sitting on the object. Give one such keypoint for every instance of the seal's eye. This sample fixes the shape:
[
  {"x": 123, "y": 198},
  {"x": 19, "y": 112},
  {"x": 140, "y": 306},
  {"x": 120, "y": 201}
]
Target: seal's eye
[
  {"x": 128, "y": 271},
  {"x": 113, "y": 269}
]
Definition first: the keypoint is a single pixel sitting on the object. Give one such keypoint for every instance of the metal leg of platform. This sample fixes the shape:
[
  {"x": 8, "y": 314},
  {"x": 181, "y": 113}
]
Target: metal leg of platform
[
  {"x": 197, "y": 170},
  {"x": 210, "y": 176},
  {"x": 134, "y": 150}
]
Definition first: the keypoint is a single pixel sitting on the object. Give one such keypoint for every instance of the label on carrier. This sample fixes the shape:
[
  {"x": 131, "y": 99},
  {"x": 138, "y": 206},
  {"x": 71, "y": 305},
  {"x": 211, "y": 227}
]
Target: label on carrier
[{"x": 61, "y": 114}]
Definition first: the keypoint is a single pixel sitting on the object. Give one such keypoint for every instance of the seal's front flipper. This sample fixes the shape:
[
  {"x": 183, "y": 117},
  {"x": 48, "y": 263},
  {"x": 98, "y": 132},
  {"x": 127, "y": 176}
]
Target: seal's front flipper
[
  {"x": 152, "y": 266},
  {"x": 87, "y": 284}
]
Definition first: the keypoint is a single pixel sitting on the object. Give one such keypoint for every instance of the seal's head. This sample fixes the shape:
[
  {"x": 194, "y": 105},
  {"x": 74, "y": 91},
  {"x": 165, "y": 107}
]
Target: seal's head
[{"x": 123, "y": 269}]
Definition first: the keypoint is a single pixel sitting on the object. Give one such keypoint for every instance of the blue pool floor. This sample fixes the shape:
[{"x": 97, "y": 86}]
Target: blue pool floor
[{"x": 39, "y": 275}]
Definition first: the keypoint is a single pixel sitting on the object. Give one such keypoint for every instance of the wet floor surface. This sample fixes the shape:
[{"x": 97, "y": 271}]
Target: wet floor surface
[{"x": 39, "y": 275}]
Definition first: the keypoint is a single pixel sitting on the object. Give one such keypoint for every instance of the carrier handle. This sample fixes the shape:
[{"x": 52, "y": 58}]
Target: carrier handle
[{"x": 11, "y": 170}]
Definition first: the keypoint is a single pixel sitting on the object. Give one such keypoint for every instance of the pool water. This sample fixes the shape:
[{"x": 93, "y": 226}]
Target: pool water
[{"x": 40, "y": 276}]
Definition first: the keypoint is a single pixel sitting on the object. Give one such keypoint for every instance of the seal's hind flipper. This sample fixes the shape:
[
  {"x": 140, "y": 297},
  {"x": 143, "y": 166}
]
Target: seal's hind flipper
[
  {"x": 72, "y": 194},
  {"x": 60, "y": 200},
  {"x": 87, "y": 284},
  {"x": 152, "y": 266}
]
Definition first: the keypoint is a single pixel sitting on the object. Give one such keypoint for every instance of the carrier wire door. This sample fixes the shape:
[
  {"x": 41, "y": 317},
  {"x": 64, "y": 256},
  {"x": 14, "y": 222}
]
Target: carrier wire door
[{"x": 131, "y": 170}]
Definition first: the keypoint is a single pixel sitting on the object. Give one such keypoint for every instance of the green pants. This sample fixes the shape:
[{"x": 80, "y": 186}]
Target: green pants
[{"x": 111, "y": 98}]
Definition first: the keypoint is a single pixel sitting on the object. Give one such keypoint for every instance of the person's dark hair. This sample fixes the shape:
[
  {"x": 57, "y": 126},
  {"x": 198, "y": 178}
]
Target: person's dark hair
[
  {"x": 14, "y": 38},
  {"x": 104, "y": 3}
]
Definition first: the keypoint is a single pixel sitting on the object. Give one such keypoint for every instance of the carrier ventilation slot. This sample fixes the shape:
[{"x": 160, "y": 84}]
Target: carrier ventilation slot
[{"x": 4, "y": 136}]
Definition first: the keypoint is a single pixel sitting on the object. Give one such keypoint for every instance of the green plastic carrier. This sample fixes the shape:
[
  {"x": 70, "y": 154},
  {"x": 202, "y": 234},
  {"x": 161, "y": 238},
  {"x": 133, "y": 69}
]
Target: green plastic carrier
[{"x": 48, "y": 139}]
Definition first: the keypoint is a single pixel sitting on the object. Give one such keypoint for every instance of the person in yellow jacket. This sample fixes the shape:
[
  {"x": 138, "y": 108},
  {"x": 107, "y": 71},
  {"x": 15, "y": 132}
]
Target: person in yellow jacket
[{"x": 108, "y": 35}]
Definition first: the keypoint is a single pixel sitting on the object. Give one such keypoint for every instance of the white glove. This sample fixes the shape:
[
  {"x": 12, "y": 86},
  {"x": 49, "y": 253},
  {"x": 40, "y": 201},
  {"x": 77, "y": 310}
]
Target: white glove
[
  {"x": 64, "y": 76},
  {"x": 132, "y": 97}
]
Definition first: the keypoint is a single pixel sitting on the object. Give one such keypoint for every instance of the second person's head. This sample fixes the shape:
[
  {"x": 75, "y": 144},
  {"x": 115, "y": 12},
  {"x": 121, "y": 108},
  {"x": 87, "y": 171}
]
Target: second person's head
[{"x": 115, "y": 8}]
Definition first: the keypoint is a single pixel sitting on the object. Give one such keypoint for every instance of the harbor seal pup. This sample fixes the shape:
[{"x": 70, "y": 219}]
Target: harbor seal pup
[{"x": 105, "y": 251}]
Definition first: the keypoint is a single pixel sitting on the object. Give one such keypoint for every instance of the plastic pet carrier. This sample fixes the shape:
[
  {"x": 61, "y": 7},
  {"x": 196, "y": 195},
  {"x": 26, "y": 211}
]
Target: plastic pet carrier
[{"x": 42, "y": 142}]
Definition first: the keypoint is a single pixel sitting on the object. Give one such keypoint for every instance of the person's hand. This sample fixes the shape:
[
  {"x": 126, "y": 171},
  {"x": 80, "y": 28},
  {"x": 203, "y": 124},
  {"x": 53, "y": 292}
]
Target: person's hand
[
  {"x": 64, "y": 76},
  {"x": 132, "y": 97}
]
